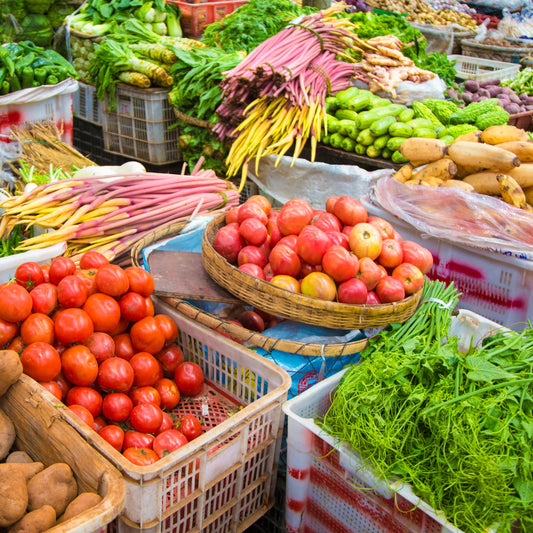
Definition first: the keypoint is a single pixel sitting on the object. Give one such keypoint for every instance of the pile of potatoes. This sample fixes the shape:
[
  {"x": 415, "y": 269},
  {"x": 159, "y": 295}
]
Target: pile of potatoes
[{"x": 33, "y": 498}]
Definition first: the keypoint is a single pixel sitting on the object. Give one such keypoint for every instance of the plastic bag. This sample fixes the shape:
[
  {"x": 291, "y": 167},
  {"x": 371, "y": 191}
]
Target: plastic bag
[
  {"x": 442, "y": 38},
  {"x": 462, "y": 217},
  {"x": 516, "y": 25},
  {"x": 408, "y": 92},
  {"x": 315, "y": 182},
  {"x": 36, "y": 94}
]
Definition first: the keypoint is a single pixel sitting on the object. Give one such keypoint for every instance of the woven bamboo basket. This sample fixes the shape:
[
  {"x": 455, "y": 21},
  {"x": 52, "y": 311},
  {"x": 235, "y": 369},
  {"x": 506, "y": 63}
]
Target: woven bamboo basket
[
  {"x": 508, "y": 54},
  {"x": 298, "y": 307},
  {"x": 243, "y": 335}
]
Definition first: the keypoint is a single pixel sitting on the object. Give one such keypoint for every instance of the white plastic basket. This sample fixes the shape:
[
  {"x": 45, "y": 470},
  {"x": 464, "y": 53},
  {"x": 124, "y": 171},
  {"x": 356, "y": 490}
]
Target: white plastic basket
[
  {"x": 474, "y": 68},
  {"x": 86, "y": 105},
  {"x": 225, "y": 479},
  {"x": 328, "y": 488}
]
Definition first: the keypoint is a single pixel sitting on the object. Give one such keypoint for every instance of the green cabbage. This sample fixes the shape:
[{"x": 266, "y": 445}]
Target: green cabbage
[
  {"x": 58, "y": 12},
  {"x": 38, "y": 29},
  {"x": 37, "y": 7}
]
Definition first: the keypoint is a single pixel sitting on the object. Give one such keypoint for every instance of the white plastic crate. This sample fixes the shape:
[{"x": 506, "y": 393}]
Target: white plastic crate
[
  {"x": 48, "y": 102},
  {"x": 225, "y": 479},
  {"x": 494, "y": 285},
  {"x": 328, "y": 488},
  {"x": 141, "y": 126},
  {"x": 85, "y": 104},
  {"x": 477, "y": 69}
]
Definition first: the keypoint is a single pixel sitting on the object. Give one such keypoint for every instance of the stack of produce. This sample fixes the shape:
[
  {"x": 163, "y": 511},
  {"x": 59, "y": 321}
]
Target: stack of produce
[
  {"x": 24, "y": 65},
  {"x": 88, "y": 333},
  {"x": 496, "y": 162},
  {"x": 522, "y": 83}
]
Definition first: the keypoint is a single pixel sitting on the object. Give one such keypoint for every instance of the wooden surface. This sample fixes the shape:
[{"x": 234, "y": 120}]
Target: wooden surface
[{"x": 182, "y": 275}]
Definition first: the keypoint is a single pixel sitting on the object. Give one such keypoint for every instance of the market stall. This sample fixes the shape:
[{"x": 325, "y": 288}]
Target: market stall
[{"x": 258, "y": 257}]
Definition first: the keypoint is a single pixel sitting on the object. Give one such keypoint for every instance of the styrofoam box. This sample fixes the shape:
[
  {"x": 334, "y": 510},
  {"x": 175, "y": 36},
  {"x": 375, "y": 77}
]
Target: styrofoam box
[
  {"x": 494, "y": 285},
  {"x": 328, "y": 488},
  {"x": 225, "y": 479}
]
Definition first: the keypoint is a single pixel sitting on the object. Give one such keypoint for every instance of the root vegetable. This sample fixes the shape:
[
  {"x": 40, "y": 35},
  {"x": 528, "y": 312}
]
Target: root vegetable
[
  {"x": 10, "y": 369},
  {"x": 7, "y": 434},
  {"x": 37, "y": 521},
  {"x": 482, "y": 155},
  {"x": 18, "y": 457},
  {"x": 13, "y": 497},
  {"x": 82, "y": 502},
  {"x": 28, "y": 470}
]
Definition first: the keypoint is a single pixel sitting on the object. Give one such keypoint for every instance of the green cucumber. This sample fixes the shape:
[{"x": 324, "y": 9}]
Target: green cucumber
[
  {"x": 325, "y": 140},
  {"x": 372, "y": 151},
  {"x": 347, "y": 144},
  {"x": 398, "y": 158},
  {"x": 335, "y": 140},
  {"x": 386, "y": 153},
  {"x": 366, "y": 137},
  {"x": 346, "y": 114},
  {"x": 360, "y": 149},
  {"x": 347, "y": 128},
  {"x": 379, "y": 102},
  {"x": 399, "y": 129},
  {"x": 366, "y": 118},
  {"x": 381, "y": 142},
  {"x": 420, "y": 123},
  {"x": 357, "y": 103},
  {"x": 381, "y": 126},
  {"x": 332, "y": 124},
  {"x": 343, "y": 96},
  {"x": 331, "y": 104},
  {"x": 394, "y": 143},
  {"x": 406, "y": 115},
  {"x": 428, "y": 133}
]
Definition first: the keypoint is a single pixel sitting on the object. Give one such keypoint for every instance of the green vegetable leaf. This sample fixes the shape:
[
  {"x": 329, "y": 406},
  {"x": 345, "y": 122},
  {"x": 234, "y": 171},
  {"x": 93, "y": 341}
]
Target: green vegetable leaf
[
  {"x": 524, "y": 487},
  {"x": 483, "y": 370}
]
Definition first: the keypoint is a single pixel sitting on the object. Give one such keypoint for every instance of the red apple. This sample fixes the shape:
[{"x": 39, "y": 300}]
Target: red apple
[
  {"x": 391, "y": 254},
  {"x": 372, "y": 298},
  {"x": 369, "y": 272},
  {"x": 365, "y": 241},
  {"x": 352, "y": 291},
  {"x": 389, "y": 290},
  {"x": 417, "y": 255},
  {"x": 350, "y": 211},
  {"x": 384, "y": 226},
  {"x": 410, "y": 276}
]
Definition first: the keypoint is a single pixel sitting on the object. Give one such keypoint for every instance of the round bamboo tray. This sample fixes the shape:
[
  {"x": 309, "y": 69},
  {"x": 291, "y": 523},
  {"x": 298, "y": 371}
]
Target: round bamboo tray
[
  {"x": 243, "y": 335},
  {"x": 286, "y": 304}
]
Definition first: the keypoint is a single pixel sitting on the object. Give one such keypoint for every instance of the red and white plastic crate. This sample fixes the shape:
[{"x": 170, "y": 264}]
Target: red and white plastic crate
[
  {"x": 48, "y": 102},
  {"x": 328, "y": 488},
  {"x": 224, "y": 480},
  {"x": 494, "y": 285}
]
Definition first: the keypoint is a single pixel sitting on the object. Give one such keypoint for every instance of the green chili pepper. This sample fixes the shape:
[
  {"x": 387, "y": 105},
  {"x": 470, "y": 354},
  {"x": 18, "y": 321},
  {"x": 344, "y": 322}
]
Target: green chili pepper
[
  {"x": 40, "y": 74},
  {"x": 58, "y": 59},
  {"x": 51, "y": 80},
  {"x": 24, "y": 62},
  {"x": 3, "y": 74},
  {"x": 4, "y": 88},
  {"x": 14, "y": 83},
  {"x": 27, "y": 77}
]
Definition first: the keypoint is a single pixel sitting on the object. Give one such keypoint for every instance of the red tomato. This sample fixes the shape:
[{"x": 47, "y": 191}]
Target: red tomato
[
  {"x": 83, "y": 413},
  {"x": 252, "y": 320},
  {"x": 99, "y": 423},
  {"x": 37, "y": 327},
  {"x": 63, "y": 384},
  {"x": 140, "y": 456},
  {"x": 232, "y": 215},
  {"x": 169, "y": 393},
  {"x": 252, "y": 210},
  {"x": 79, "y": 365},
  {"x": 53, "y": 388},
  {"x": 8, "y": 331},
  {"x": 101, "y": 345},
  {"x": 288, "y": 283},
  {"x": 327, "y": 222},
  {"x": 40, "y": 361},
  {"x": 168, "y": 441},
  {"x": 253, "y": 231},
  {"x": 117, "y": 406},
  {"x": 115, "y": 374},
  {"x": 122, "y": 326},
  {"x": 167, "y": 423},
  {"x": 190, "y": 426},
  {"x": 29, "y": 275},
  {"x": 252, "y": 254},
  {"x": 88, "y": 277},
  {"x": 146, "y": 335},
  {"x": 137, "y": 439},
  {"x": 146, "y": 417},
  {"x": 145, "y": 394},
  {"x": 15, "y": 302},
  {"x": 123, "y": 346},
  {"x": 73, "y": 325},
  {"x": 312, "y": 244},
  {"x": 228, "y": 242},
  {"x": 16, "y": 344},
  {"x": 71, "y": 292},
  {"x": 284, "y": 261},
  {"x": 145, "y": 369},
  {"x": 61, "y": 267},
  {"x": 253, "y": 270},
  {"x": 86, "y": 396},
  {"x": 44, "y": 298},
  {"x": 168, "y": 327},
  {"x": 93, "y": 259},
  {"x": 319, "y": 285},
  {"x": 170, "y": 357},
  {"x": 350, "y": 211},
  {"x": 294, "y": 216},
  {"x": 114, "y": 435},
  {"x": 340, "y": 264},
  {"x": 140, "y": 280},
  {"x": 103, "y": 310},
  {"x": 132, "y": 306},
  {"x": 189, "y": 378},
  {"x": 263, "y": 202},
  {"x": 149, "y": 306},
  {"x": 46, "y": 272},
  {"x": 112, "y": 280}
]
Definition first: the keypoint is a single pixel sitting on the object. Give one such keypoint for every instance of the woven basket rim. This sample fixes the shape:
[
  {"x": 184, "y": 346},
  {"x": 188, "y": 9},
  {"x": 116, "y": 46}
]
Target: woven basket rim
[
  {"x": 294, "y": 306},
  {"x": 510, "y": 49}
]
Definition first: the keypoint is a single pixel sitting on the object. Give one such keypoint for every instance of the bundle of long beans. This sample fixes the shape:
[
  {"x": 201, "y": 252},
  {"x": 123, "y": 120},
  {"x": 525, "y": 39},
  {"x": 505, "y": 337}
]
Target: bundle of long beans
[
  {"x": 276, "y": 95},
  {"x": 111, "y": 214}
]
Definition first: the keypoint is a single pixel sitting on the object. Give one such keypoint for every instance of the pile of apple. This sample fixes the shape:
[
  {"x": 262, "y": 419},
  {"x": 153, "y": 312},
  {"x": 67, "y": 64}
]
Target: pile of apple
[{"x": 341, "y": 254}]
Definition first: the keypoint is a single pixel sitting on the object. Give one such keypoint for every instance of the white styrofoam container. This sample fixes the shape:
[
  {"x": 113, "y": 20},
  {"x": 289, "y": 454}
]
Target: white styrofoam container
[
  {"x": 329, "y": 489},
  {"x": 494, "y": 285}
]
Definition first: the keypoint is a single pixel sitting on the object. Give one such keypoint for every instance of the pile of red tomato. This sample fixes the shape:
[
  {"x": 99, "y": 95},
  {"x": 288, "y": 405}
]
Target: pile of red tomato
[
  {"x": 338, "y": 254},
  {"x": 89, "y": 334}
]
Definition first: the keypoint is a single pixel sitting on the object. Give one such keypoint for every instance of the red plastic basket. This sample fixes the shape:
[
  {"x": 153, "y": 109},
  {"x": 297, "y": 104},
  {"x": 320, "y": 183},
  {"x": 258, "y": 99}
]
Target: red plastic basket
[{"x": 196, "y": 15}]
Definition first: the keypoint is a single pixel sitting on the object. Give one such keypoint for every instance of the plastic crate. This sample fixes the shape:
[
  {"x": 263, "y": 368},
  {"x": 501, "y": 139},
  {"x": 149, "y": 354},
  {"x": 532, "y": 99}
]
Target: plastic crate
[
  {"x": 47, "y": 102},
  {"x": 225, "y": 479},
  {"x": 329, "y": 490},
  {"x": 195, "y": 16},
  {"x": 141, "y": 126},
  {"x": 48, "y": 438},
  {"x": 473, "y": 68},
  {"x": 494, "y": 285},
  {"x": 85, "y": 104}
]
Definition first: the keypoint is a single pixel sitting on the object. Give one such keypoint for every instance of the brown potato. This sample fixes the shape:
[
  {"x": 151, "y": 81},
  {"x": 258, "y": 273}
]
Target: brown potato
[
  {"x": 13, "y": 497},
  {"x": 18, "y": 457},
  {"x": 37, "y": 521},
  {"x": 55, "y": 486},
  {"x": 10, "y": 369},
  {"x": 7, "y": 434},
  {"x": 28, "y": 470},
  {"x": 78, "y": 505}
]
